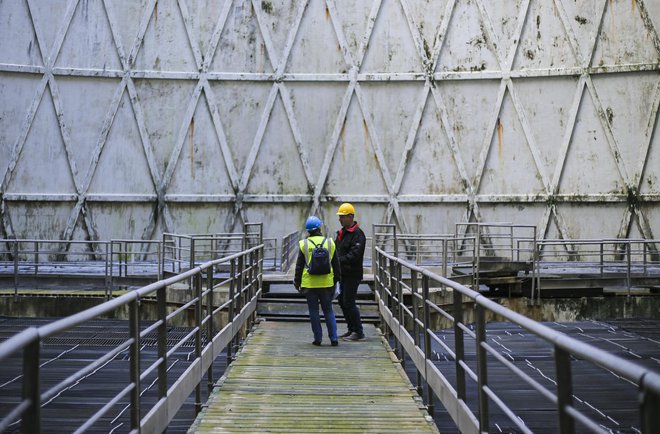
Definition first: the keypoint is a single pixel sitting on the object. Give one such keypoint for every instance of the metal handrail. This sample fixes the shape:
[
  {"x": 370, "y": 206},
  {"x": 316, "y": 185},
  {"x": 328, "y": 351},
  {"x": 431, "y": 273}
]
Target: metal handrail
[
  {"x": 390, "y": 286},
  {"x": 244, "y": 281},
  {"x": 289, "y": 250}
]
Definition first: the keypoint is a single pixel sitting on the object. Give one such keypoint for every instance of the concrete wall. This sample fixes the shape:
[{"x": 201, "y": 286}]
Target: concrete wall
[{"x": 127, "y": 119}]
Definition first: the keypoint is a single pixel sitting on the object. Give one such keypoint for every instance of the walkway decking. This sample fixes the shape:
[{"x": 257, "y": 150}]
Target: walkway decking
[{"x": 280, "y": 382}]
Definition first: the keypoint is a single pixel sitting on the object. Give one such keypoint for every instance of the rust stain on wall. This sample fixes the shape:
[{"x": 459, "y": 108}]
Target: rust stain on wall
[{"x": 500, "y": 132}]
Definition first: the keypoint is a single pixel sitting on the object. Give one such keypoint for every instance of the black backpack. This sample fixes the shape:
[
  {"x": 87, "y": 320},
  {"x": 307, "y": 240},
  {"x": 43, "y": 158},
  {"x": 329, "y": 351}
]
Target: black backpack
[{"x": 320, "y": 262}]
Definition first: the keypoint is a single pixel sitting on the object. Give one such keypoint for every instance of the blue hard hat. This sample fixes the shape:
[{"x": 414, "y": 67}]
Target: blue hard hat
[{"x": 312, "y": 223}]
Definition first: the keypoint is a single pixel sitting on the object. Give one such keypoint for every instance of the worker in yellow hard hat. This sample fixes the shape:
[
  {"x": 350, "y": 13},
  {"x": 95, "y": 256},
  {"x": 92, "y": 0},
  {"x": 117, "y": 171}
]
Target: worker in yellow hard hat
[{"x": 350, "y": 244}]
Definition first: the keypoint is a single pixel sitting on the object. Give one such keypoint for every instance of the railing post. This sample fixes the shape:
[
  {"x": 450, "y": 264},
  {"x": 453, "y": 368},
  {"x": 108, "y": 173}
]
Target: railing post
[
  {"x": 110, "y": 272},
  {"x": 415, "y": 325},
  {"x": 15, "y": 269},
  {"x": 644, "y": 249},
  {"x": 36, "y": 258},
  {"x": 210, "y": 328},
  {"x": 198, "y": 336},
  {"x": 161, "y": 306},
  {"x": 482, "y": 368},
  {"x": 628, "y": 266},
  {"x": 230, "y": 311},
  {"x": 31, "y": 388},
  {"x": 564, "y": 390},
  {"x": 602, "y": 258},
  {"x": 511, "y": 241},
  {"x": 459, "y": 344},
  {"x": 444, "y": 257},
  {"x": 650, "y": 403},
  {"x": 400, "y": 313},
  {"x": 160, "y": 256},
  {"x": 134, "y": 364},
  {"x": 108, "y": 264},
  {"x": 427, "y": 340}
]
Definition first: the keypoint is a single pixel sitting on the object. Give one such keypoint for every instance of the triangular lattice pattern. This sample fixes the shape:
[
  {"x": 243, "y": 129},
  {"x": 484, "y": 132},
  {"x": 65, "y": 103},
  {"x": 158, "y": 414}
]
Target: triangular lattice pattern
[{"x": 130, "y": 119}]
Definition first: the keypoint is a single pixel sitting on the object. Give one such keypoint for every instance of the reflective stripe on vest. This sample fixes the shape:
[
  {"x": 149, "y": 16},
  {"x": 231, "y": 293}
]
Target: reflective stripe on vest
[{"x": 323, "y": 280}]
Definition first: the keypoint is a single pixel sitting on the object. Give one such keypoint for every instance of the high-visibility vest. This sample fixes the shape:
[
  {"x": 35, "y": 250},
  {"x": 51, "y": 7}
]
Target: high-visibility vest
[{"x": 317, "y": 281}]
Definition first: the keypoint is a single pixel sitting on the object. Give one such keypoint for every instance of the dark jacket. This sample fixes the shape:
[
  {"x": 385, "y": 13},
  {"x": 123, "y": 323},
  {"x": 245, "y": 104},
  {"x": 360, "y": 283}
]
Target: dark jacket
[
  {"x": 350, "y": 249},
  {"x": 300, "y": 265}
]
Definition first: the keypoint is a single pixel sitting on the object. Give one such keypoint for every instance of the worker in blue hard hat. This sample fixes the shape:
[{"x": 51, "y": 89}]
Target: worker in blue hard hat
[{"x": 317, "y": 272}]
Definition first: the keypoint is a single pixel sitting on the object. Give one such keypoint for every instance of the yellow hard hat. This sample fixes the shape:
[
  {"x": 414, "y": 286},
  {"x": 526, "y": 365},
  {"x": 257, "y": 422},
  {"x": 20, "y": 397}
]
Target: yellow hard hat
[{"x": 346, "y": 209}]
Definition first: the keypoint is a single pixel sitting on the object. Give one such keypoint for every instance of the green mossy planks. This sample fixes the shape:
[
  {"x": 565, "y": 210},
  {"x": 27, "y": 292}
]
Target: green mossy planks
[{"x": 280, "y": 382}]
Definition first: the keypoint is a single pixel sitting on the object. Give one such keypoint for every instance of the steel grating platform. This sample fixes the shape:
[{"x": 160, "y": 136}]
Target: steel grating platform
[
  {"x": 65, "y": 354},
  {"x": 605, "y": 397}
]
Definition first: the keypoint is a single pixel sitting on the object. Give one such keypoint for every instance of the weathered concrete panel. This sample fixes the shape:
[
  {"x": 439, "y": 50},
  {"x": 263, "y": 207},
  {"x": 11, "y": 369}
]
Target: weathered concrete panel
[{"x": 131, "y": 119}]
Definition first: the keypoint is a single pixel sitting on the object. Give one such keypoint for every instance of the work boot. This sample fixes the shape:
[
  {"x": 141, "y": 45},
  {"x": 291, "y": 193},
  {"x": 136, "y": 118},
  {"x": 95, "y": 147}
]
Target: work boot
[{"x": 354, "y": 337}]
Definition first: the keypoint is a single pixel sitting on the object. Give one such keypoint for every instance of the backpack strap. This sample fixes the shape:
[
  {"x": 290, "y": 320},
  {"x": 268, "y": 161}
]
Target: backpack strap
[
  {"x": 306, "y": 248},
  {"x": 306, "y": 252}
]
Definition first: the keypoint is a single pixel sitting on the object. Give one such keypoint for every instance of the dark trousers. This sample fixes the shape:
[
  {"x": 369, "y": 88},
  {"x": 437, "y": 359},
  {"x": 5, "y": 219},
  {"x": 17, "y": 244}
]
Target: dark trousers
[
  {"x": 349, "y": 287},
  {"x": 324, "y": 297}
]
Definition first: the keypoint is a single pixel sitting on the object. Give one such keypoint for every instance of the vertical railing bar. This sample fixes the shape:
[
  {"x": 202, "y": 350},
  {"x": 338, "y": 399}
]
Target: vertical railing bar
[
  {"x": 650, "y": 416},
  {"x": 482, "y": 368},
  {"x": 445, "y": 266},
  {"x": 415, "y": 326},
  {"x": 427, "y": 342},
  {"x": 209, "y": 324},
  {"x": 36, "y": 258},
  {"x": 628, "y": 266},
  {"x": 31, "y": 420},
  {"x": 459, "y": 344},
  {"x": 564, "y": 390},
  {"x": 401, "y": 313},
  {"x": 511, "y": 241},
  {"x": 198, "y": 336},
  {"x": 230, "y": 313},
  {"x": 15, "y": 269},
  {"x": 161, "y": 336},
  {"x": 134, "y": 363},
  {"x": 108, "y": 282}
]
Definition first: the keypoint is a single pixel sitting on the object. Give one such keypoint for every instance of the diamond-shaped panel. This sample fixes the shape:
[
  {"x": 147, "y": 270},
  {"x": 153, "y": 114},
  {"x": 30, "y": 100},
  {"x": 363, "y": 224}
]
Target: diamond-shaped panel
[
  {"x": 388, "y": 51},
  {"x": 18, "y": 44},
  {"x": 201, "y": 167},
  {"x": 626, "y": 39},
  {"x": 467, "y": 46},
  {"x": 278, "y": 168},
  {"x": 510, "y": 153},
  {"x": 589, "y": 148},
  {"x": 122, "y": 167},
  {"x": 85, "y": 103},
  {"x": 166, "y": 46},
  {"x": 89, "y": 32},
  {"x": 316, "y": 30},
  {"x": 425, "y": 174},
  {"x": 355, "y": 154},
  {"x": 43, "y": 166},
  {"x": 543, "y": 43}
]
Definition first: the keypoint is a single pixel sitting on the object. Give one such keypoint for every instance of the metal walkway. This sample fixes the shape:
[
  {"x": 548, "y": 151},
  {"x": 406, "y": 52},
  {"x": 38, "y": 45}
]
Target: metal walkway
[{"x": 280, "y": 382}]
